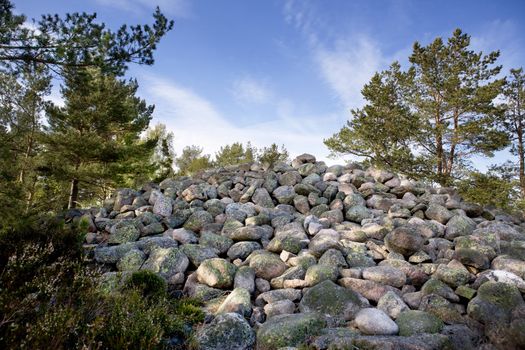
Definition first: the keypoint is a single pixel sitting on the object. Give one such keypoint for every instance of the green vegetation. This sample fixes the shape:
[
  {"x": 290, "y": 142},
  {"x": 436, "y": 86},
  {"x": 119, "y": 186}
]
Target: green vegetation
[
  {"x": 50, "y": 298},
  {"x": 234, "y": 154},
  {"x": 429, "y": 120}
]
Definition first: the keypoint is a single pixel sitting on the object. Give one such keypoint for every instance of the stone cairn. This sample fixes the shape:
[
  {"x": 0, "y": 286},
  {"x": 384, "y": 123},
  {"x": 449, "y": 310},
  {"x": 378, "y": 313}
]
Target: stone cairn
[{"x": 335, "y": 257}]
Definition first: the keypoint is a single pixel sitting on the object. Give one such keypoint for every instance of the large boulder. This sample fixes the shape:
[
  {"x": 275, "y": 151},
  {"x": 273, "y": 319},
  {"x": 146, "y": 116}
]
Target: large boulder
[
  {"x": 227, "y": 331},
  {"x": 494, "y": 302},
  {"x": 288, "y": 330},
  {"x": 266, "y": 265},
  {"x": 413, "y": 322},
  {"x": 166, "y": 262},
  {"x": 405, "y": 240},
  {"x": 328, "y": 298},
  {"x": 216, "y": 273}
]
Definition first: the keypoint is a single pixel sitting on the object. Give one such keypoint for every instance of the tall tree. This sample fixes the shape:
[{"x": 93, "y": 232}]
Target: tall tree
[
  {"x": 94, "y": 137},
  {"x": 454, "y": 90},
  {"x": 382, "y": 132},
  {"x": 514, "y": 119},
  {"x": 430, "y": 119},
  {"x": 234, "y": 154},
  {"x": 76, "y": 40}
]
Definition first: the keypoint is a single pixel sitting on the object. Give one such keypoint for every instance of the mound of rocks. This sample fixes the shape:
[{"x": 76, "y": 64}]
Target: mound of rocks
[{"x": 332, "y": 257}]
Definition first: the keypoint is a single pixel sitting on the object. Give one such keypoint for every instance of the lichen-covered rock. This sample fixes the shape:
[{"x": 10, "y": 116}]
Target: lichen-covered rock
[
  {"x": 358, "y": 213},
  {"x": 386, "y": 275},
  {"x": 328, "y": 298},
  {"x": 198, "y": 253},
  {"x": 324, "y": 240},
  {"x": 227, "y": 331},
  {"x": 112, "y": 254},
  {"x": 284, "y": 194},
  {"x": 439, "y": 213},
  {"x": 375, "y": 322},
  {"x": 123, "y": 231},
  {"x": 241, "y": 250},
  {"x": 369, "y": 289},
  {"x": 288, "y": 330},
  {"x": 248, "y": 233},
  {"x": 131, "y": 261},
  {"x": 221, "y": 244},
  {"x": 289, "y": 243},
  {"x": 494, "y": 302},
  {"x": 319, "y": 273},
  {"x": 163, "y": 205},
  {"x": 237, "y": 301},
  {"x": 281, "y": 307},
  {"x": 197, "y": 220},
  {"x": 416, "y": 322},
  {"x": 266, "y": 265},
  {"x": 459, "y": 225},
  {"x": 166, "y": 262},
  {"x": 245, "y": 278},
  {"x": 216, "y": 273},
  {"x": 405, "y": 240},
  {"x": 392, "y": 304}
]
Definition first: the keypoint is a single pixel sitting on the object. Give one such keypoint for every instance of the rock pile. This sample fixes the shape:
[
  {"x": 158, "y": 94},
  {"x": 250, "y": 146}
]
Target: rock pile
[{"x": 340, "y": 257}]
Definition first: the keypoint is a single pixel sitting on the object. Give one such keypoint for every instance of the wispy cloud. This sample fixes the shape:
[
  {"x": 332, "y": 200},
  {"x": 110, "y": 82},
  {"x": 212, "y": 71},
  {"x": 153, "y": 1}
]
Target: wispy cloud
[
  {"x": 176, "y": 8},
  {"x": 349, "y": 65},
  {"x": 248, "y": 90},
  {"x": 195, "y": 120},
  {"x": 503, "y": 36},
  {"x": 345, "y": 60}
]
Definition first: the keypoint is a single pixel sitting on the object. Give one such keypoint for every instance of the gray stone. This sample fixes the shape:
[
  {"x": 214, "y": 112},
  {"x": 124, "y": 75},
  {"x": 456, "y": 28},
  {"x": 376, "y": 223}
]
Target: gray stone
[
  {"x": 227, "y": 331},
  {"x": 375, "y": 322},
  {"x": 216, "y": 273}
]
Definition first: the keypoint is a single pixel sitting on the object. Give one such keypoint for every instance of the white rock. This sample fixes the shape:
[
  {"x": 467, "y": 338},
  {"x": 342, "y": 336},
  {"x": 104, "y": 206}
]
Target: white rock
[{"x": 375, "y": 322}]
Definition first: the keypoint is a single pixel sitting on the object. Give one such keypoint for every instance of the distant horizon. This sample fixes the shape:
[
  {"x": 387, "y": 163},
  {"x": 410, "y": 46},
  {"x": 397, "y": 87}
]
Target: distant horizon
[{"x": 286, "y": 72}]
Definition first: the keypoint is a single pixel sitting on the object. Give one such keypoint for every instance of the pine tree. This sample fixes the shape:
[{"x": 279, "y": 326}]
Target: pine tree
[
  {"x": 431, "y": 119},
  {"x": 272, "y": 154},
  {"x": 514, "y": 119},
  {"x": 95, "y": 138},
  {"x": 192, "y": 160},
  {"x": 234, "y": 154}
]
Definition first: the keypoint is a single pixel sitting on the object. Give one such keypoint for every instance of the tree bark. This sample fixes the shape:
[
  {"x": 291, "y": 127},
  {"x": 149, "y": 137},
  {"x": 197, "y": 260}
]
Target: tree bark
[{"x": 73, "y": 194}]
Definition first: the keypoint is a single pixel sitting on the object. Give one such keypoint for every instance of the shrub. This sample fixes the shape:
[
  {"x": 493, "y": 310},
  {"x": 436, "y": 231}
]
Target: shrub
[{"x": 49, "y": 298}]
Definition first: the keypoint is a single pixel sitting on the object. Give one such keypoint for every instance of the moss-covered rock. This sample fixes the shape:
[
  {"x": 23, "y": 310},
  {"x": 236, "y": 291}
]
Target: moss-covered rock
[
  {"x": 198, "y": 253},
  {"x": 197, "y": 220},
  {"x": 416, "y": 322},
  {"x": 216, "y": 273},
  {"x": 124, "y": 231},
  {"x": 494, "y": 302},
  {"x": 226, "y": 331},
  {"x": 131, "y": 261},
  {"x": 166, "y": 262},
  {"x": 267, "y": 265},
  {"x": 319, "y": 273},
  {"x": 220, "y": 243},
  {"x": 288, "y": 330},
  {"x": 331, "y": 299},
  {"x": 288, "y": 243},
  {"x": 238, "y": 301}
]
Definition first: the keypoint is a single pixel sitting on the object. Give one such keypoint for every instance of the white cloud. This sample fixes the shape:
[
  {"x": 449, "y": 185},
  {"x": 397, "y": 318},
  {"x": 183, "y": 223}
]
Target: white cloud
[
  {"x": 196, "y": 121},
  {"x": 248, "y": 90},
  {"x": 503, "y": 36},
  {"x": 348, "y": 66},
  {"x": 177, "y": 8}
]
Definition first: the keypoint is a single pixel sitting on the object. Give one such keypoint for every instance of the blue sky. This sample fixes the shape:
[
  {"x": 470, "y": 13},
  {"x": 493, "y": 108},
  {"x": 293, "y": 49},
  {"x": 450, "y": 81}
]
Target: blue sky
[{"x": 286, "y": 71}]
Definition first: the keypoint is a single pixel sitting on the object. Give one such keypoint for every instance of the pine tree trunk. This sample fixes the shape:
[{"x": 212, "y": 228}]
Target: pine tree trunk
[
  {"x": 73, "y": 194},
  {"x": 521, "y": 154}
]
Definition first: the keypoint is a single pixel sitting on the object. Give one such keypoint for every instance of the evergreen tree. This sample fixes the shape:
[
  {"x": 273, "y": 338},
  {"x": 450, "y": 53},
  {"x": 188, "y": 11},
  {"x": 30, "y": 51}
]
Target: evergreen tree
[
  {"x": 163, "y": 157},
  {"x": 234, "y": 154},
  {"x": 192, "y": 160},
  {"x": 439, "y": 112},
  {"x": 514, "y": 119},
  {"x": 95, "y": 138},
  {"x": 76, "y": 41},
  {"x": 272, "y": 155}
]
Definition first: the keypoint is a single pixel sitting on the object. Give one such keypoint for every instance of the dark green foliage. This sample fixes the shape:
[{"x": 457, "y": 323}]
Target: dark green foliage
[
  {"x": 192, "y": 160},
  {"x": 52, "y": 44},
  {"x": 94, "y": 140},
  {"x": 272, "y": 155},
  {"x": 234, "y": 154},
  {"x": 148, "y": 283},
  {"x": 514, "y": 120},
  {"x": 427, "y": 121},
  {"x": 163, "y": 157},
  {"x": 49, "y": 299}
]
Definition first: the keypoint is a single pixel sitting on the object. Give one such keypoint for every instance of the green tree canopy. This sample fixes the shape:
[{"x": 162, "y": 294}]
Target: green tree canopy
[
  {"x": 192, "y": 160},
  {"x": 234, "y": 154},
  {"x": 439, "y": 112},
  {"x": 77, "y": 40},
  {"x": 94, "y": 138},
  {"x": 273, "y": 154}
]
